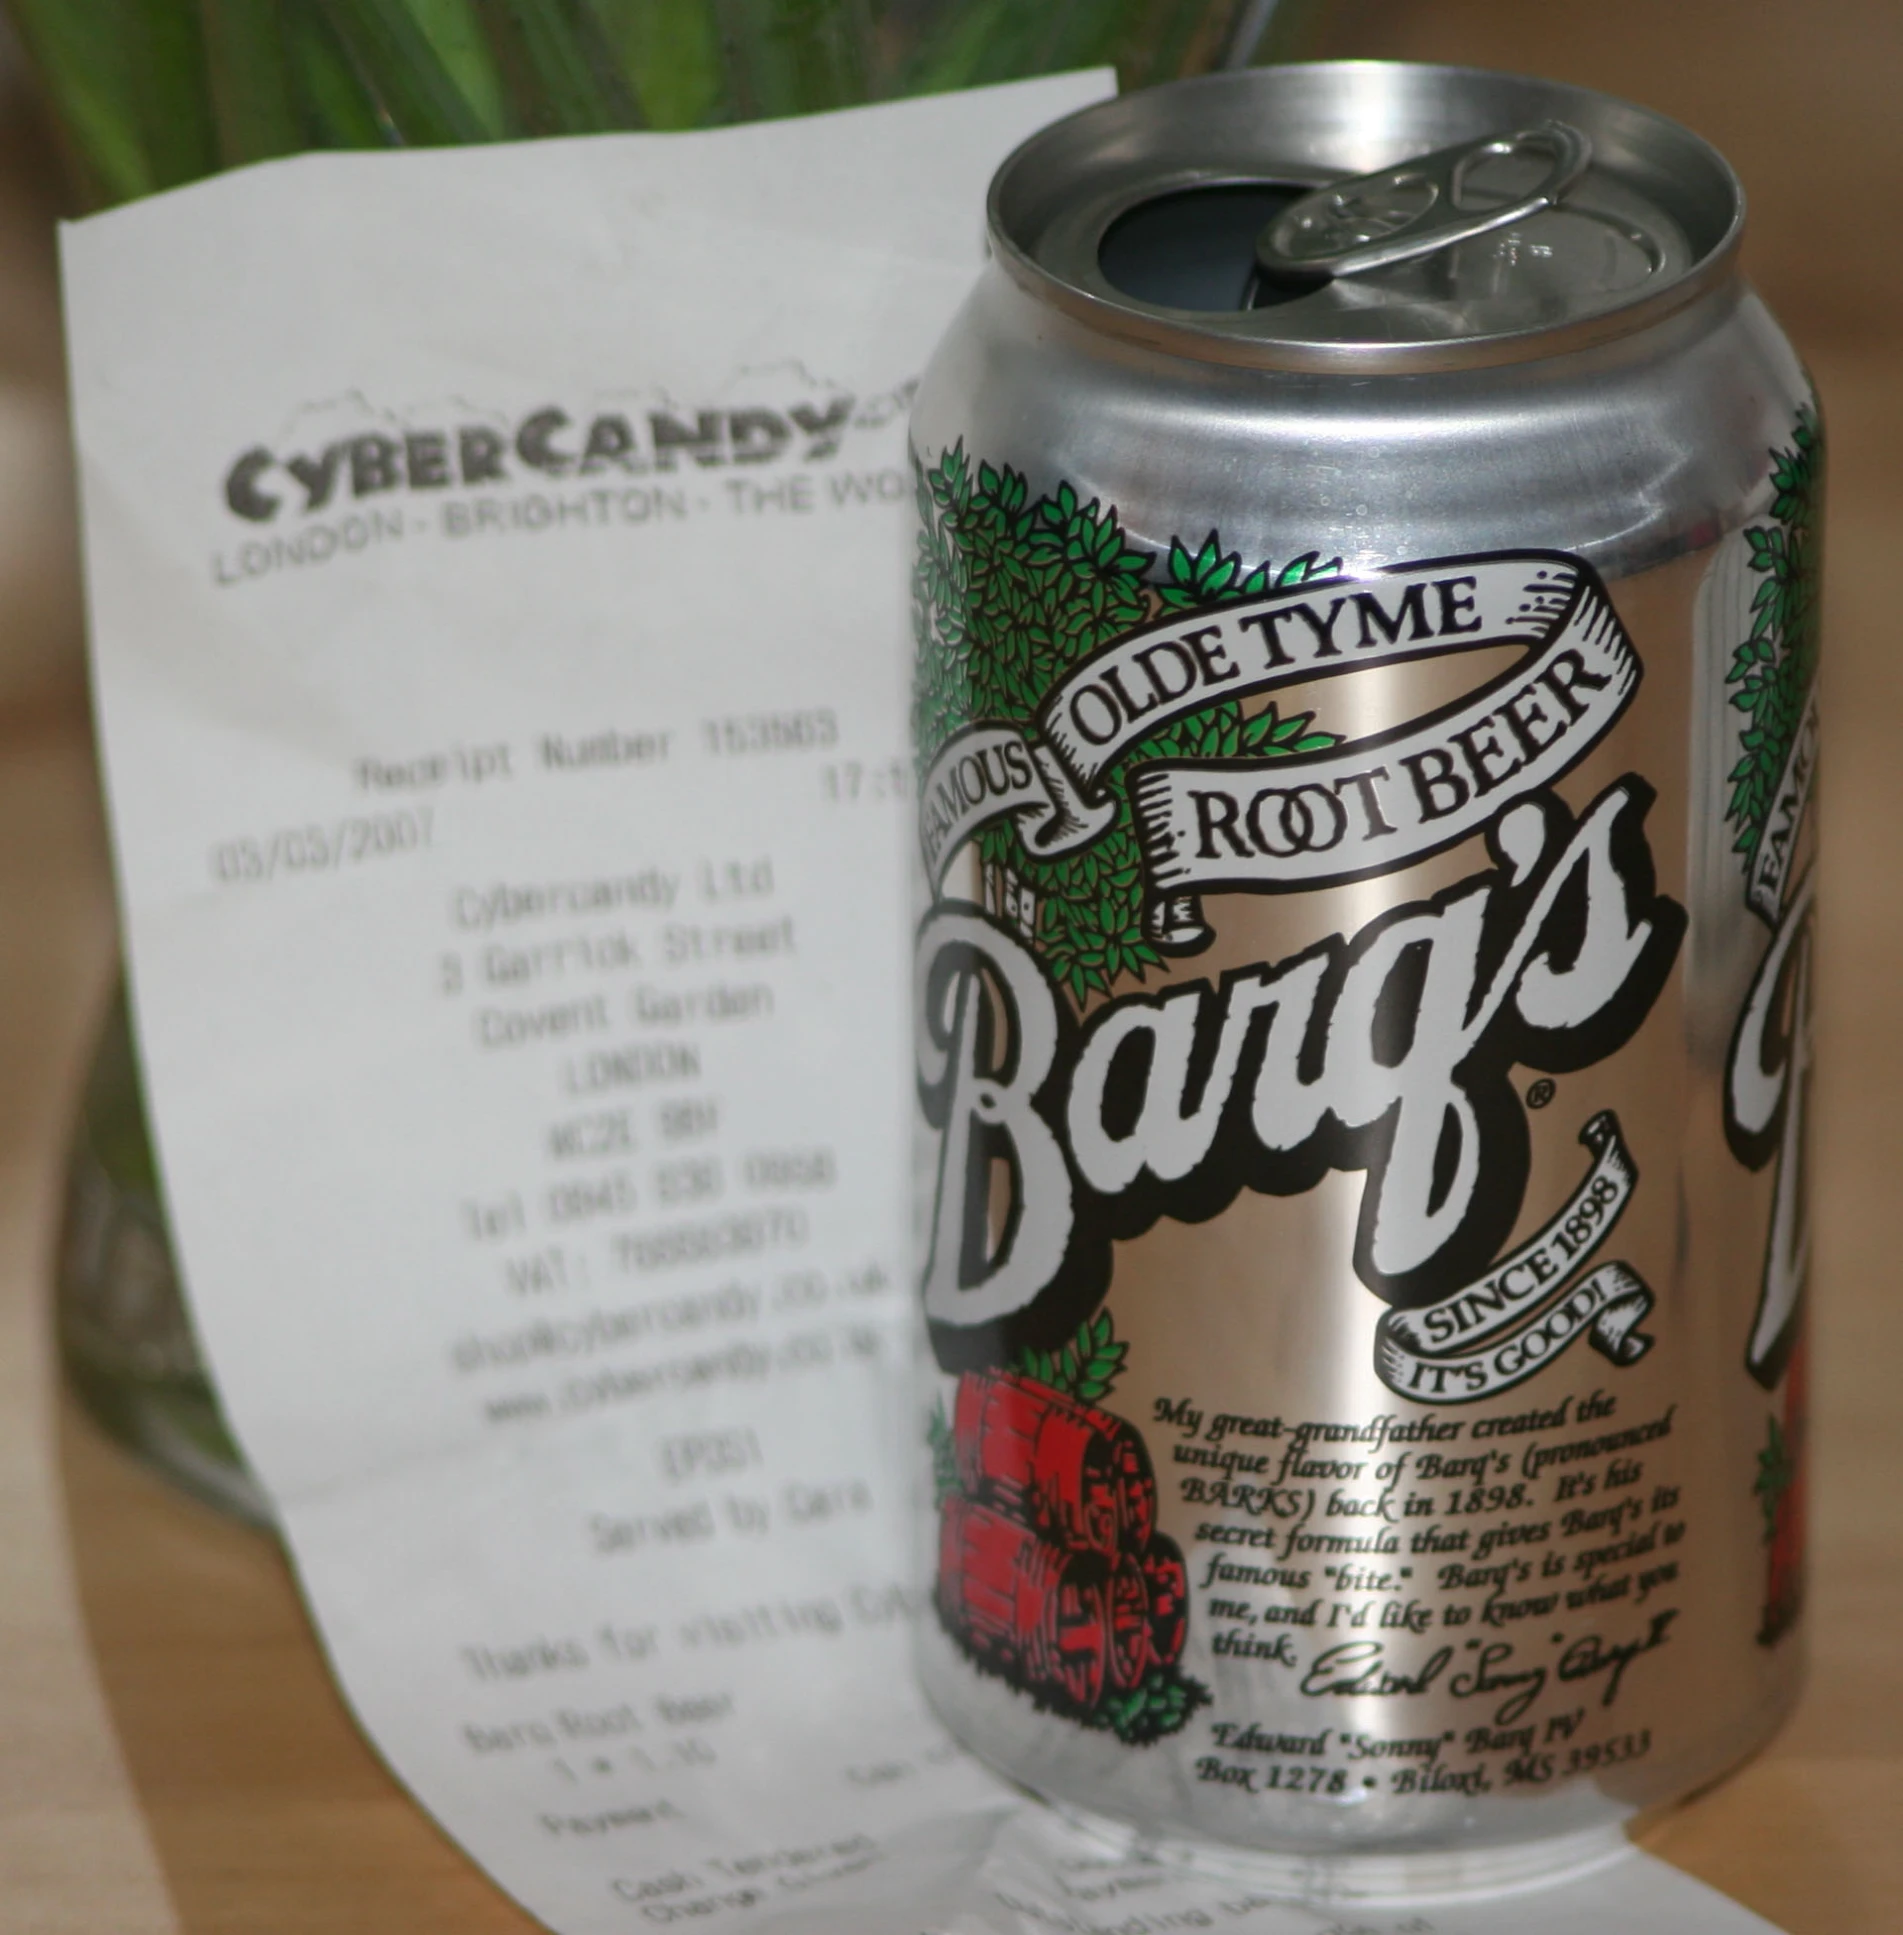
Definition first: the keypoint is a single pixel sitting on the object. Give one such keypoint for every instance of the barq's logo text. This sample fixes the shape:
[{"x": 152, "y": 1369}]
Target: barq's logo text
[{"x": 1391, "y": 1051}]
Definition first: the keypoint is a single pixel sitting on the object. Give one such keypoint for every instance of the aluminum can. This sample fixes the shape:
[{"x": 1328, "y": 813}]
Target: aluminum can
[{"x": 1365, "y": 594}]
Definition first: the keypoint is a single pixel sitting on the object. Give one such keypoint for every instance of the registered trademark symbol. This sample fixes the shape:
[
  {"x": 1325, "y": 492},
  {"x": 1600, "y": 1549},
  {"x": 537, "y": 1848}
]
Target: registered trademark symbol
[{"x": 1539, "y": 1094}]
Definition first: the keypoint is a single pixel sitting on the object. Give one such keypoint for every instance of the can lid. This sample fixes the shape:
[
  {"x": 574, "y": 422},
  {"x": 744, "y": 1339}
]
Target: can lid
[{"x": 1366, "y": 215}]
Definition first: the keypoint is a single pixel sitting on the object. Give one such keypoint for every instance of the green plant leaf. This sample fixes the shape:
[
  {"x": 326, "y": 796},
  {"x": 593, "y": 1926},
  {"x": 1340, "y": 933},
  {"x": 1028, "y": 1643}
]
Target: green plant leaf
[{"x": 397, "y": 51}]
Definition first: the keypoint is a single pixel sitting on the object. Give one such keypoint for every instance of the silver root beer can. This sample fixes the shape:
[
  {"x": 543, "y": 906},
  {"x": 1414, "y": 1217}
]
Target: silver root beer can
[{"x": 1366, "y": 599}]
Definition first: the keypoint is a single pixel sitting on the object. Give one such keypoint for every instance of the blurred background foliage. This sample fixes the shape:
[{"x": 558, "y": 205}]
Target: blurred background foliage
[{"x": 149, "y": 94}]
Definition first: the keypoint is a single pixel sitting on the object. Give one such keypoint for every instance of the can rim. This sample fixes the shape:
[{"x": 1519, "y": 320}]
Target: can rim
[{"x": 1185, "y": 335}]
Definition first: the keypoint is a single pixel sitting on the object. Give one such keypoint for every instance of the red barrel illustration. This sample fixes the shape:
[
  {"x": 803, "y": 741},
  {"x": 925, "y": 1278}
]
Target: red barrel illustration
[
  {"x": 1785, "y": 1502},
  {"x": 1035, "y": 1611},
  {"x": 1127, "y": 1622},
  {"x": 1168, "y": 1585},
  {"x": 1078, "y": 1474},
  {"x": 1166, "y": 1582}
]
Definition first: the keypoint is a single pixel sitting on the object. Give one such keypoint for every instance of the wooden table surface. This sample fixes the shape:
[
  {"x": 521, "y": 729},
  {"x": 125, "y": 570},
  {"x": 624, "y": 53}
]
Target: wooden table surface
[{"x": 172, "y": 1753}]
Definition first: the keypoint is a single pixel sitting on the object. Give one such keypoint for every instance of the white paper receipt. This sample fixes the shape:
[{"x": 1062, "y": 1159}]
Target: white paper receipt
[{"x": 497, "y": 563}]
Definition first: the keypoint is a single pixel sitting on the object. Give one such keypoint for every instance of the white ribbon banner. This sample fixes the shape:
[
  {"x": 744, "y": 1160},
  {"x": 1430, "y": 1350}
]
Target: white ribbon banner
[
  {"x": 1777, "y": 844},
  {"x": 1454, "y": 1351},
  {"x": 1270, "y": 822},
  {"x": 1376, "y": 804},
  {"x": 987, "y": 771}
]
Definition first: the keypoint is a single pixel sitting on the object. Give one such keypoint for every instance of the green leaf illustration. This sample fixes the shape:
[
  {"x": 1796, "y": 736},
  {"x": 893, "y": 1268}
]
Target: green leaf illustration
[
  {"x": 938, "y": 1434},
  {"x": 1007, "y": 595},
  {"x": 1771, "y": 671},
  {"x": 1161, "y": 1703},
  {"x": 1085, "y": 1368}
]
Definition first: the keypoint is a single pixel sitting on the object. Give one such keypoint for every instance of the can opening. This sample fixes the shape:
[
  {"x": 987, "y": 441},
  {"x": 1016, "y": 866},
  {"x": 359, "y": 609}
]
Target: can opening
[{"x": 1194, "y": 248}]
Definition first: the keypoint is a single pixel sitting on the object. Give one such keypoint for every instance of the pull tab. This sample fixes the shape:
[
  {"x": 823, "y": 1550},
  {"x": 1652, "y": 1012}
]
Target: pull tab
[{"x": 1370, "y": 221}]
